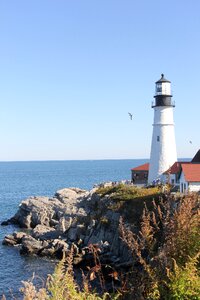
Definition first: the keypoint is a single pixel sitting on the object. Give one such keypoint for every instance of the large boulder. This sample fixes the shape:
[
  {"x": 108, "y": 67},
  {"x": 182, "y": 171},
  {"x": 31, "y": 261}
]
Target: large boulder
[
  {"x": 70, "y": 195},
  {"x": 14, "y": 239},
  {"x": 43, "y": 233},
  {"x": 72, "y": 199},
  {"x": 56, "y": 248},
  {"x": 38, "y": 210},
  {"x": 9, "y": 240},
  {"x": 31, "y": 245}
]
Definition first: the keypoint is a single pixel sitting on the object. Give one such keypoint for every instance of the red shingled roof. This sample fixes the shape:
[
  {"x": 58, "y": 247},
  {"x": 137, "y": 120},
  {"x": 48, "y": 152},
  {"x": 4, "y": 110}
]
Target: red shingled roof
[
  {"x": 191, "y": 172},
  {"x": 144, "y": 167},
  {"x": 175, "y": 168}
]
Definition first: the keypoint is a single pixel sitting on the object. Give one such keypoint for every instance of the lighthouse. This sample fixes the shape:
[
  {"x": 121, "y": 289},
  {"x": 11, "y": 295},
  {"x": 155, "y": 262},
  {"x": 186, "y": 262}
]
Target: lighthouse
[{"x": 163, "y": 145}]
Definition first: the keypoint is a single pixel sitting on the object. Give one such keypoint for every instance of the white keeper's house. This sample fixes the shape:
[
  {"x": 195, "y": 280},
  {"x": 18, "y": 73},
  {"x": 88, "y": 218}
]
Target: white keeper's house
[
  {"x": 190, "y": 178},
  {"x": 185, "y": 175}
]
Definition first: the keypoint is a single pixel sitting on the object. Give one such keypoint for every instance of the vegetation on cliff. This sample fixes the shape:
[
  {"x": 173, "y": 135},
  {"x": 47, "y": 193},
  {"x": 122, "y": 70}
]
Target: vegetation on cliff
[
  {"x": 130, "y": 201},
  {"x": 166, "y": 251}
]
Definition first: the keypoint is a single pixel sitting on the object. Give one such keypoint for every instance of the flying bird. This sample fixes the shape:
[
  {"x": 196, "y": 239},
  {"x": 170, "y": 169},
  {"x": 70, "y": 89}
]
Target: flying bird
[
  {"x": 190, "y": 142},
  {"x": 130, "y": 115}
]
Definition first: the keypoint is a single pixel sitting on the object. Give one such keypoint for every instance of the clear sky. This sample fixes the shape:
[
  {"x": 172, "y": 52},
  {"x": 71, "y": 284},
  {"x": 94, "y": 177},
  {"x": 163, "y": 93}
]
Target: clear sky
[{"x": 71, "y": 70}]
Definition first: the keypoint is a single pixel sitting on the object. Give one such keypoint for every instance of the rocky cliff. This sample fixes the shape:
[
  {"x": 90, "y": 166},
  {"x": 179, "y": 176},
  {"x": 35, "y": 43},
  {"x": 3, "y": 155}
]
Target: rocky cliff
[{"x": 72, "y": 217}]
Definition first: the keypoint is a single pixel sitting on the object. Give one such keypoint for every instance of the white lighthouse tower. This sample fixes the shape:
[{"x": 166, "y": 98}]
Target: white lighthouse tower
[{"x": 163, "y": 145}]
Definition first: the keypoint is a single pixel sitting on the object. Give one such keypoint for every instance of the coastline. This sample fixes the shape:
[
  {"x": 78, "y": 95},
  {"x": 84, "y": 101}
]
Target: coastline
[{"x": 21, "y": 180}]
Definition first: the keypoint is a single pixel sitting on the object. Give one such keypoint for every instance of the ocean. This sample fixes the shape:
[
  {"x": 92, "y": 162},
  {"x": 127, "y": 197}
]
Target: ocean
[{"x": 19, "y": 180}]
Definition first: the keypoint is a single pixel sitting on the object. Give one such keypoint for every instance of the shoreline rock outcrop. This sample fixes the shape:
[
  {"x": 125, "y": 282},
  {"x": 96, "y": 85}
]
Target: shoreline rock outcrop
[{"x": 72, "y": 217}]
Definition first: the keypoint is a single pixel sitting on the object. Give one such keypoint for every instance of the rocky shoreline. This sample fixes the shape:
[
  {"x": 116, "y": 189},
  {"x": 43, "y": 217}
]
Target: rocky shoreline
[{"x": 72, "y": 217}]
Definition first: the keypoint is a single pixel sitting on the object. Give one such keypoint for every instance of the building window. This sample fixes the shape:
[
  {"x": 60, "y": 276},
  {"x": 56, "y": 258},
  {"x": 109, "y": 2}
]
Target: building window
[
  {"x": 158, "y": 87},
  {"x": 158, "y": 138}
]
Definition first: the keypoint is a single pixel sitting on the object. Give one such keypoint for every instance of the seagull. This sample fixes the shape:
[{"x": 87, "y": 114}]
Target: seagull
[
  {"x": 190, "y": 142},
  {"x": 130, "y": 115}
]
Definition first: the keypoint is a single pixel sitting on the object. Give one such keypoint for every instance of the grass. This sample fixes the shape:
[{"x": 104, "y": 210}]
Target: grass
[
  {"x": 123, "y": 192},
  {"x": 130, "y": 200}
]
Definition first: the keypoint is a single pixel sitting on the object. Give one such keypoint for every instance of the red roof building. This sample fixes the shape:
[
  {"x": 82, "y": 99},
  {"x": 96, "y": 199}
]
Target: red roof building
[
  {"x": 183, "y": 175},
  {"x": 191, "y": 172},
  {"x": 174, "y": 169},
  {"x": 189, "y": 178},
  {"x": 144, "y": 167},
  {"x": 140, "y": 174}
]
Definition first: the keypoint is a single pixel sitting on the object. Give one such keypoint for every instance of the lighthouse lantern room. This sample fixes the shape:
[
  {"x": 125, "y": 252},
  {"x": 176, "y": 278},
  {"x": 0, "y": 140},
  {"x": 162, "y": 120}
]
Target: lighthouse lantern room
[{"x": 163, "y": 145}]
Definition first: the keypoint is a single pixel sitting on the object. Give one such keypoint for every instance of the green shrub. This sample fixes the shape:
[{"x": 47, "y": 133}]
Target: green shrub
[{"x": 184, "y": 282}]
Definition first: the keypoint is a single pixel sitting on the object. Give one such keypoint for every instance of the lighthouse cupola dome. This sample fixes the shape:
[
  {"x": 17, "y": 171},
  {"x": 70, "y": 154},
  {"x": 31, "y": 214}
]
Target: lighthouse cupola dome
[
  {"x": 163, "y": 86},
  {"x": 163, "y": 92}
]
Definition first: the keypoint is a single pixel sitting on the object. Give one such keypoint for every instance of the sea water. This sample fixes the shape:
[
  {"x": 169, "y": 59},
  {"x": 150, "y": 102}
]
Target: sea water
[{"x": 19, "y": 180}]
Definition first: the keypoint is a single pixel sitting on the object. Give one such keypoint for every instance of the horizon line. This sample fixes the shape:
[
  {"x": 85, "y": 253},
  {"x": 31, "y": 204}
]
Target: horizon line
[{"x": 96, "y": 159}]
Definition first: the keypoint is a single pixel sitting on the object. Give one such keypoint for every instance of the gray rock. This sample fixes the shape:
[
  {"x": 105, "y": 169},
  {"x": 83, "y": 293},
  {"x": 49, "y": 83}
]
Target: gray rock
[
  {"x": 60, "y": 244},
  {"x": 9, "y": 240},
  {"x": 48, "y": 251},
  {"x": 70, "y": 195},
  {"x": 38, "y": 210},
  {"x": 72, "y": 234},
  {"x": 14, "y": 239},
  {"x": 60, "y": 248},
  {"x": 53, "y": 222},
  {"x": 43, "y": 232},
  {"x": 18, "y": 236},
  {"x": 31, "y": 245},
  {"x": 5, "y": 223},
  {"x": 64, "y": 224}
]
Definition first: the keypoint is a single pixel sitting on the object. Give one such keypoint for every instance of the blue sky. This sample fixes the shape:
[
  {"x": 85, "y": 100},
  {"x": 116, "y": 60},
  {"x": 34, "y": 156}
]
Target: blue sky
[{"x": 71, "y": 70}]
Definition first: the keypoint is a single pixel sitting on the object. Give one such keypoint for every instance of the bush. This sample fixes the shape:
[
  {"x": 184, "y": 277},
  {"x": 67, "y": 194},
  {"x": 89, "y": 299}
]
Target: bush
[
  {"x": 184, "y": 282},
  {"x": 165, "y": 252}
]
